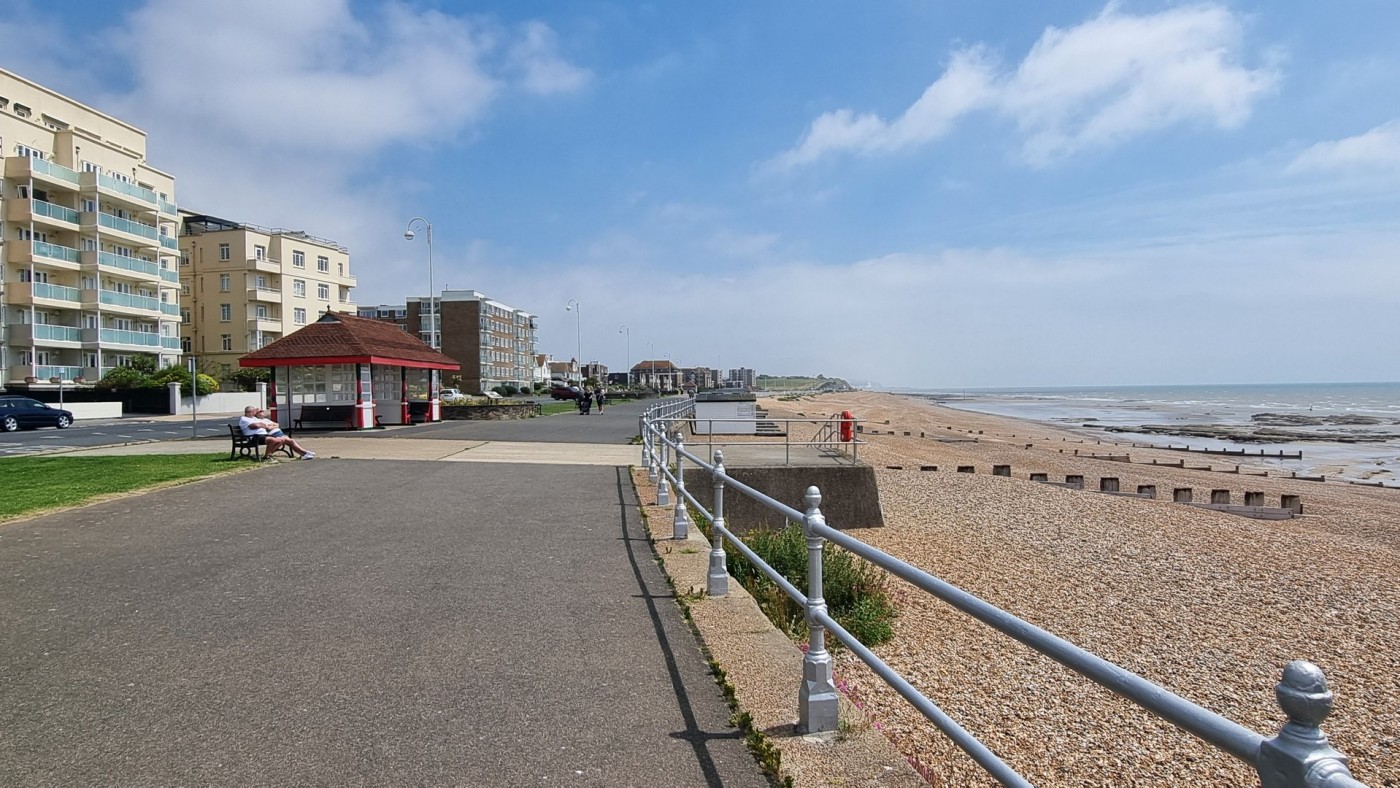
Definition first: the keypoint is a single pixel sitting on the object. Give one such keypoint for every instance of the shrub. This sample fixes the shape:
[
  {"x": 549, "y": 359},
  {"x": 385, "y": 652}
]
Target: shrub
[
  {"x": 509, "y": 390},
  {"x": 854, "y": 588}
]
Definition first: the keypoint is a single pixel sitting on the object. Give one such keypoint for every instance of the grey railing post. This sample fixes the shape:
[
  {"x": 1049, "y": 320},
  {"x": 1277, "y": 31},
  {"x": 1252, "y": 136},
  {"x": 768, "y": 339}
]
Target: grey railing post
[
  {"x": 681, "y": 523},
  {"x": 717, "y": 581},
  {"x": 646, "y": 446},
  {"x": 817, "y": 703},
  {"x": 1299, "y": 756}
]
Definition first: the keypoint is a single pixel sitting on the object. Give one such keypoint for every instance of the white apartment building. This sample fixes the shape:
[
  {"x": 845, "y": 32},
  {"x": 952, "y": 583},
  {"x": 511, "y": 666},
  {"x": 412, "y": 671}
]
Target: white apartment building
[{"x": 88, "y": 274}]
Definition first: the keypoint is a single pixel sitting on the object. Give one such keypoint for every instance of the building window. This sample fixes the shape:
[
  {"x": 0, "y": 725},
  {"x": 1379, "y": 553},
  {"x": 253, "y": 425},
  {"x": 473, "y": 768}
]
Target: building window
[
  {"x": 225, "y": 312},
  {"x": 25, "y": 150},
  {"x": 224, "y": 280},
  {"x": 299, "y": 288},
  {"x": 299, "y": 259},
  {"x": 299, "y": 316},
  {"x": 226, "y": 341},
  {"x": 224, "y": 253},
  {"x": 184, "y": 258},
  {"x": 185, "y": 315},
  {"x": 340, "y": 268},
  {"x": 323, "y": 292},
  {"x": 323, "y": 264},
  {"x": 185, "y": 344}
]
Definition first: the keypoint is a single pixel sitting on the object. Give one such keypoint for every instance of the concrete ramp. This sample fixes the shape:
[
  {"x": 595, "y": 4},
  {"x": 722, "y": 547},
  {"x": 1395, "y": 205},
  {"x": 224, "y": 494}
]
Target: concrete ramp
[{"x": 850, "y": 496}]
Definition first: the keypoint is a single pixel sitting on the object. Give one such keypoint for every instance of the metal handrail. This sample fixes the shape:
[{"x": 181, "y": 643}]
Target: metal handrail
[{"x": 1298, "y": 757}]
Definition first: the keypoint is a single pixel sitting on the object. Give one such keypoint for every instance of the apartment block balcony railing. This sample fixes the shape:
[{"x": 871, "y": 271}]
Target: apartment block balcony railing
[
  {"x": 115, "y": 298},
  {"x": 129, "y": 189},
  {"x": 265, "y": 264},
  {"x": 55, "y": 212},
  {"x": 66, "y": 373},
  {"x": 57, "y": 292},
  {"x": 133, "y": 264},
  {"x": 167, "y": 242},
  {"x": 24, "y": 167},
  {"x": 54, "y": 251},
  {"x": 117, "y": 336},
  {"x": 41, "y": 333},
  {"x": 167, "y": 275},
  {"x": 126, "y": 226},
  {"x": 170, "y": 343},
  {"x": 167, "y": 207},
  {"x": 169, "y": 309},
  {"x": 266, "y": 294}
]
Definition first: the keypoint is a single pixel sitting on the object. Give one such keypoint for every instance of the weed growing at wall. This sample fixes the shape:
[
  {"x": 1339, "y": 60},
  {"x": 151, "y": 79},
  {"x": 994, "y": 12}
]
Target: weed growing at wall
[{"x": 854, "y": 588}]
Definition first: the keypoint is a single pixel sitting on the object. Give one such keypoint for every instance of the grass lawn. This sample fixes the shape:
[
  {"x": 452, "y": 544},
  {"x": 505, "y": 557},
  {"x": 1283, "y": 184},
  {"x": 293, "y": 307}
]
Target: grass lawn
[
  {"x": 34, "y": 483},
  {"x": 551, "y": 408}
]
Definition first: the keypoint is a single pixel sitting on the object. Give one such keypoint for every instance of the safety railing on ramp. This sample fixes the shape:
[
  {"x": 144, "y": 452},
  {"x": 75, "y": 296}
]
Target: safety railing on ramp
[{"x": 1299, "y": 756}]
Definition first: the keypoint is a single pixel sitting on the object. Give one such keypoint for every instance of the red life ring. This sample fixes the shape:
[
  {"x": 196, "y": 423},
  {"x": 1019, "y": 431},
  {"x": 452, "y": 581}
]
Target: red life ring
[{"x": 847, "y": 426}]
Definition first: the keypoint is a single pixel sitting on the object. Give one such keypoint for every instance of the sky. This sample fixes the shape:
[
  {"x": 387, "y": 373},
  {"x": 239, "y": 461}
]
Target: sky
[{"x": 900, "y": 193}]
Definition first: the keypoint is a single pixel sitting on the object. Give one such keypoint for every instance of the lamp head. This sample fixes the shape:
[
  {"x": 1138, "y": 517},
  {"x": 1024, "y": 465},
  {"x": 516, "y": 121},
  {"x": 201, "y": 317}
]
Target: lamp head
[{"x": 408, "y": 235}]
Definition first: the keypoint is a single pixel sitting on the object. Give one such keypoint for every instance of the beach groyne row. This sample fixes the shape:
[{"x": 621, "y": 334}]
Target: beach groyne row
[
  {"x": 1290, "y": 505},
  {"x": 1278, "y": 455}
]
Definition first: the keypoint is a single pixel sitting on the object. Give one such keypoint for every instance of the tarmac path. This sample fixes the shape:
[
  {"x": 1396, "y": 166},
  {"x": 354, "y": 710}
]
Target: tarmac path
[{"x": 356, "y": 622}]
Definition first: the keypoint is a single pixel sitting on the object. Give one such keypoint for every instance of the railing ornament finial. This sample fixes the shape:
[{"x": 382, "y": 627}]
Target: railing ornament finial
[
  {"x": 1300, "y": 755},
  {"x": 813, "y": 499}
]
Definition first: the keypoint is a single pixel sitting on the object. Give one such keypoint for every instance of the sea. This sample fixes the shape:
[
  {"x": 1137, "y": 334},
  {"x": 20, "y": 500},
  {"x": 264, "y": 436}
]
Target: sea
[{"x": 1089, "y": 409}]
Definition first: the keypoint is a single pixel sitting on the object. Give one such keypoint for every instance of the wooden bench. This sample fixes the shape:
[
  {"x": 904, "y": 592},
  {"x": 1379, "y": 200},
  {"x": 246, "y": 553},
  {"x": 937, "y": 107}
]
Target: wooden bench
[
  {"x": 250, "y": 445},
  {"x": 334, "y": 415}
]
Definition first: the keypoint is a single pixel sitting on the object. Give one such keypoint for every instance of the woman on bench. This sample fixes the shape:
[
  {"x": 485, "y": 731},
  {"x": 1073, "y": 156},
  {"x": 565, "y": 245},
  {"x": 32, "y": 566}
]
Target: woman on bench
[{"x": 254, "y": 423}]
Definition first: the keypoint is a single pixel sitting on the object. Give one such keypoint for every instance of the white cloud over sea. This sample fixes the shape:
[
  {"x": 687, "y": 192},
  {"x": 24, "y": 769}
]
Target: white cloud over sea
[{"x": 1090, "y": 86}]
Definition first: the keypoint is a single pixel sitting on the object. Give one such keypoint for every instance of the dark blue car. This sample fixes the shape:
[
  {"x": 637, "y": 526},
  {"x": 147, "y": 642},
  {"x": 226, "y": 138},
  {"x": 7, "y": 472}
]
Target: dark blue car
[{"x": 23, "y": 413}]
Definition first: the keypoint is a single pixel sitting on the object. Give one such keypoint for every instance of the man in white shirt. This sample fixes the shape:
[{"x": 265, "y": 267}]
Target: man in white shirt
[{"x": 272, "y": 436}]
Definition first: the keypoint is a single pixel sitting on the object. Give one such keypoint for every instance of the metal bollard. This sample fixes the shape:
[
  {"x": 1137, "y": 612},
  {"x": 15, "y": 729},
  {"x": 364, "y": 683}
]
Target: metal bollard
[
  {"x": 819, "y": 708},
  {"x": 717, "y": 581},
  {"x": 1299, "y": 756},
  {"x": 680, "y": 525},
  {"x": 663, "y": 487}
]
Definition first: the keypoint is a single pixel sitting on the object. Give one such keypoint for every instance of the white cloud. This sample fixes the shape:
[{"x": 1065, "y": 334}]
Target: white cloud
[
  {"x": 543, "y": 71},
  {"x": 1111, "y": 78},
  {"x": 1378, "y": 148}
]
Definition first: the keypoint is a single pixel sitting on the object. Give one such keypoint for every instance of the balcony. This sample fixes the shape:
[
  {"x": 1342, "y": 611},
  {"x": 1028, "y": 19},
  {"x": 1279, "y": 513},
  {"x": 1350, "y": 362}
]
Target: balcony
[
  {"x": 266, "y": 295},
  {"x": 120, "y": 191},
  {"x": 170, "y": 343},
  {"x": 141, "y": 234},
  {"x": 41, "y": 294},
  {"x": 265, "y": 264},
  {"x": 42, "y": 213},
  {"x": 43, "y": 373},
  {"x": 170, "y": 277},
  {"x": 167, "y": 207},
  {"x": 24, "y": 168},
  {"x": 43, "y": 253},
  {"x": 172, "y": 310},
  {"x": 117, "y": 336},
  {"x": 43, "y": 334},
  {"x": 123, "y": 265},
  {"x": 265, "y": 323},
  {"x": 169, "y": 243},
  {"x": 123, "y": 301}
]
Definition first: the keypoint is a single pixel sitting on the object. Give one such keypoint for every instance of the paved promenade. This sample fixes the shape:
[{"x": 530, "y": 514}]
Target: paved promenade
[{"x": 364, "y": 622}]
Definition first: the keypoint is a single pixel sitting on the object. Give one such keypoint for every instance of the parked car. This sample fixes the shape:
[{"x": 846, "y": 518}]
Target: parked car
[
  {"x": 451, "y": 394},
  {"x": 23, "y": 413},
  {"x": 561, "y": 391}
]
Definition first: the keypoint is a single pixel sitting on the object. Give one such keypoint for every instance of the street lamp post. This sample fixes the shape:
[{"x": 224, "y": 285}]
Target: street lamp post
[
  {"x": 577, "y": 308},
  {"x": 432, "y": 295},
  {"x": 628, "y": 332},
  {"x": 651, "y": 354}
]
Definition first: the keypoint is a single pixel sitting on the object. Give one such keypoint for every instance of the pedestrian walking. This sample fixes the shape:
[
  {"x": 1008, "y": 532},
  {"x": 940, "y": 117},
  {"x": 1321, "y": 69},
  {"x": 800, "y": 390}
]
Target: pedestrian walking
[
  {"x": 601, "y": 397},
  {"x": 585, "y": 401}
]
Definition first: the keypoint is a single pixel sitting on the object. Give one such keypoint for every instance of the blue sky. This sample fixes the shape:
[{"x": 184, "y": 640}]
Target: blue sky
[{"x": 910, "y": 193}]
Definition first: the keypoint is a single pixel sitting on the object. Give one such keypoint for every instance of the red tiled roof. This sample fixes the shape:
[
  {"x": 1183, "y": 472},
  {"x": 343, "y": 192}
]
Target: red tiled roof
[{"x": 338, "y": 338}]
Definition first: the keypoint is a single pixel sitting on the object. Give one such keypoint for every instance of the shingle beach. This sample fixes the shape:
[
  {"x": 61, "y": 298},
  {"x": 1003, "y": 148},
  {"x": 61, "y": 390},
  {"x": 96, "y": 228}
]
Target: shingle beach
[{"x": 1207, "y": 604}]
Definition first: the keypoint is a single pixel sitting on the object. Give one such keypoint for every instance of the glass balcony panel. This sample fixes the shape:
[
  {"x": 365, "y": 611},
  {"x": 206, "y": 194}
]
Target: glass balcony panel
[
  {"x": 168, "y": 207},
  {"x": 56, "y": 171},
  {"x": 114, "y": 298},
  {"x": 169, "y": 309},
  {"x": 65, "y": 373},
  {"x": 126, "y": 225},
  {"x": 128, "y": 263},
  {"x": 54, "y": 251},
  {"x": 119, "y": 337},
  {"x": 170, "y": 343},
  {"x": 170, "y": 276},
  {"x": 57, "y": 333},
  {"x": 57, "y": 292},
  {"x": 129, "y": 189},
  {"x": 169, "y": 243},
  {"x": 52, "y": 211}
]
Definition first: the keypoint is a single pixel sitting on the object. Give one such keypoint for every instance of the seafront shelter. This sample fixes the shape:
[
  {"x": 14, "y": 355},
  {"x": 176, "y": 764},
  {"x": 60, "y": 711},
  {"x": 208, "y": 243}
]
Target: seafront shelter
[{"x": 352, "y": 371}]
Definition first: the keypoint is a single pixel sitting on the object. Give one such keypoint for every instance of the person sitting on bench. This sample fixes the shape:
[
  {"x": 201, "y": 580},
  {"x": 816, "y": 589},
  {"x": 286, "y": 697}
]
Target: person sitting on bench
[{"x": 272, "y": 436}]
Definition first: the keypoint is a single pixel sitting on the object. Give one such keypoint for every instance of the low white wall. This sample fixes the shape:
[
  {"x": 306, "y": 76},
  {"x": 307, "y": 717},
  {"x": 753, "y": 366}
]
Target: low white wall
[
  {"x": 93, "y": 410},
  {"x": 221, "y": 402}
]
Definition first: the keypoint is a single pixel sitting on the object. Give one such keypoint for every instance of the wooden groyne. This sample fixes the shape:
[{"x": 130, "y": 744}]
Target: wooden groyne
[{"x": 1278, "y": 455}]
